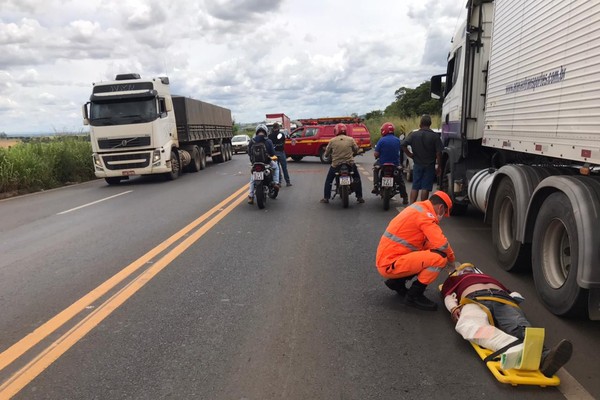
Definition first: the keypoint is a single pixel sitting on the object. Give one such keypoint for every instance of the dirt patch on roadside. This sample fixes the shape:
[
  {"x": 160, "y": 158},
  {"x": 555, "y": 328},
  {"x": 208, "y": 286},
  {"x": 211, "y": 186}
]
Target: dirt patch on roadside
[{"x": 6, "y": 143}]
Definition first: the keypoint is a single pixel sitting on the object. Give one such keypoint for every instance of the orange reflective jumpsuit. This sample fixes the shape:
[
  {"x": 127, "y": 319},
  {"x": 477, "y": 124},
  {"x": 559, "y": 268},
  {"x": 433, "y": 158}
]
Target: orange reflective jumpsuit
[{"x": 404, "y": 248}]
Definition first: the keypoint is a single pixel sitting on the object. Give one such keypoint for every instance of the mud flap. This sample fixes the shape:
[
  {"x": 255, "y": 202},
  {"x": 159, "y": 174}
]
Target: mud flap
[{"x": 594, "y": 304}]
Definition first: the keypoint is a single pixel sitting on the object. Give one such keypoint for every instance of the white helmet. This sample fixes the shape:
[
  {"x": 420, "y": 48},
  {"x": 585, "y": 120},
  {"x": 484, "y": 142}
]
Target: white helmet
[{"x": 261, "y": 127}]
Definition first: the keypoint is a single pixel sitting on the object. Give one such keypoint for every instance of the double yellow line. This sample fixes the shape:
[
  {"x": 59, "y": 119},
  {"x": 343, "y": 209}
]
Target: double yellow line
[{"x": 47, "y": 356}]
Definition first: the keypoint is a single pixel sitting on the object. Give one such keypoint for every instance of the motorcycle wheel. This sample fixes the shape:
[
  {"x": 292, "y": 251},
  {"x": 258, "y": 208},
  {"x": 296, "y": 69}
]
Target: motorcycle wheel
[
  {"x": 259, "y": 192},
  {"x": 387, "y": 196},
  {"x": 345, "y": 195}
]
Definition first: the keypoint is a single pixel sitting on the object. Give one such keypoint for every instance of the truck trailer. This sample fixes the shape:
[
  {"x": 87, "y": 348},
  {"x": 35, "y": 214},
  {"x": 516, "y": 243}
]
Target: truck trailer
[
  {"x": 282, "y": 119},
  {"x": 521, "y": 128},
  {"x": 138, "y": 128}
]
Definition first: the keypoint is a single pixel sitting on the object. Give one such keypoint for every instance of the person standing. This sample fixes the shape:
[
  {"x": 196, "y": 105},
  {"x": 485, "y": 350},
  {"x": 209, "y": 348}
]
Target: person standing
[
  {"x": 278, "y": 139},
  {"x": 413, "y": 245},
  {"x": 342, "y": 150},
  {"x": 387, "y": 151},
  {"x": 426, "y": 152}
]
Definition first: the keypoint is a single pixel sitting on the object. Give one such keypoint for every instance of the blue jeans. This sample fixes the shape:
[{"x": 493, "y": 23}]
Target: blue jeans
[
  {"x": 283, "y": 161},
  {"x": 423, "y": 177},
  {"x": 331, "y": 176},
  {"x": 275, "y": 167}
]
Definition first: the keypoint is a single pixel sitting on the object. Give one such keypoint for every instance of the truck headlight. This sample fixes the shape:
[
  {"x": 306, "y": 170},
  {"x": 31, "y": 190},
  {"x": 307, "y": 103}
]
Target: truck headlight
[
  {"x": 156, "y": 157},
  {"x": 97, "y": 161}
]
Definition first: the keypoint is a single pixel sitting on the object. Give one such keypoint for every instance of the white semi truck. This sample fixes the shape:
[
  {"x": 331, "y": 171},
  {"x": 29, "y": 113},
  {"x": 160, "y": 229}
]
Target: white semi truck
[
  {"x": 521, "y": 128},
  {"x": 138, "y": 128}
]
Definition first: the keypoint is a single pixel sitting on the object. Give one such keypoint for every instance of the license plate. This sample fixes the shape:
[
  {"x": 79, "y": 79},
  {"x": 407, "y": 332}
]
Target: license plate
[
  {"x": 258, "y": 175},
  {"x": 127, "y": 173},
  {"x": 387, "y": 181},
  {"x": 344, "y": 180}
]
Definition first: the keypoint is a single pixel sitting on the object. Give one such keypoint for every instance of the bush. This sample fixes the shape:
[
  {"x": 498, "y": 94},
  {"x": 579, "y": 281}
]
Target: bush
[
  {"x": 402, "y": 125},
  {"x": 45, "y": 163}
]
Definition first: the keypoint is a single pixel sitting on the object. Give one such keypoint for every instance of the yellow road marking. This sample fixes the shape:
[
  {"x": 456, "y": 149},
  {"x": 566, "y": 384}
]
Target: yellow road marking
[{"x": 19, "y": 348}]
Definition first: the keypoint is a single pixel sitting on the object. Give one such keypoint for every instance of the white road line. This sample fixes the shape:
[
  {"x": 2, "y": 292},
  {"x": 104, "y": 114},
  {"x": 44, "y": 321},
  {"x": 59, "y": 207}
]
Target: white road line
[
  {"x": 94, "y": 202},
  {"x": 570, "y": 388}
]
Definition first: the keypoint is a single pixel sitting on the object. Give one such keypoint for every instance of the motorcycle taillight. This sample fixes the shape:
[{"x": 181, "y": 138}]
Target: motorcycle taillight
[
  {"x": 259, "y": 167},
  {"x": 388, "y": 170}
]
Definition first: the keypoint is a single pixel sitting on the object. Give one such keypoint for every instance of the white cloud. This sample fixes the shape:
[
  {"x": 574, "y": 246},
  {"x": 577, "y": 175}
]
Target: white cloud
[{"x": 306, "y": 58}]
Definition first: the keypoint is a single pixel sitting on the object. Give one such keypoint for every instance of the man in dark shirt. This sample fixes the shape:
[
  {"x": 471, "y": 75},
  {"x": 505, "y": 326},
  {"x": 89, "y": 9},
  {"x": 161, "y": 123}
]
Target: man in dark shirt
[
  {"x": 278, "y": 139},
  {"x": 426, "y": 151}
]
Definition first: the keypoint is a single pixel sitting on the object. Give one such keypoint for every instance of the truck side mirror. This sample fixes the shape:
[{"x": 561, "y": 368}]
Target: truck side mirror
[
  {"x": 84, "y": 111},
  {"x": 436, "y": 86}
]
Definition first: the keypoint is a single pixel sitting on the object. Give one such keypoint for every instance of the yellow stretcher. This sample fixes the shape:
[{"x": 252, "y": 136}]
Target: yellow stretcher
[{"x": 527, "y": 371}]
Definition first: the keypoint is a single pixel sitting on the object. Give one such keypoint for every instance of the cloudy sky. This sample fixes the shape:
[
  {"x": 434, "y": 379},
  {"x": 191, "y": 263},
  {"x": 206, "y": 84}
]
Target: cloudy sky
[{"x": 307, "y": 58}]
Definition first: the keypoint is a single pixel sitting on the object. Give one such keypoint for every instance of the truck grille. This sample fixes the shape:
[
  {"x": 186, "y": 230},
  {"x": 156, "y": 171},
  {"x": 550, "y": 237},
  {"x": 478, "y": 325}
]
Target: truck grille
[
  {"x": 126, "y": 161},
  {"x": 120, "y": 143}
]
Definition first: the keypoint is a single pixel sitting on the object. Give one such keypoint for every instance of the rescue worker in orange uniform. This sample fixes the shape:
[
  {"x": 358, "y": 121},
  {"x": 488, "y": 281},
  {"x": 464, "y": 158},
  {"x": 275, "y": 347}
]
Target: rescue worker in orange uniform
[{"x": 412, "y": 245}]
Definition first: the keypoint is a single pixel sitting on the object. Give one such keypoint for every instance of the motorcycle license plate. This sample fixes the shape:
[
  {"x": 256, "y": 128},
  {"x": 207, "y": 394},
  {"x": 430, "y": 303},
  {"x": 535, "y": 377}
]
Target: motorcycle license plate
[
  {"x": 344, "y": 180},
  {"x": 387, "y": 181},
  {"x": 258, "y": 175}
]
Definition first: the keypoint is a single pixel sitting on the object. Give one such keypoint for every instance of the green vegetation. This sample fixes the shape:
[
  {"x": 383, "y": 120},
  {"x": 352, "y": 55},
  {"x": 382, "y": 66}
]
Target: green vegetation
[
  {"x": 402, "y": 125},
  {"x": 45, "y": 163}
]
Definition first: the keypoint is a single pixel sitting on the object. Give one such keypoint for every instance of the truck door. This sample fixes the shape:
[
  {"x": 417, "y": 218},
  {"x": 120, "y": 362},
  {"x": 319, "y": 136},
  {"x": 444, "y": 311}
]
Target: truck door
[{"x": 302, "y": 142}]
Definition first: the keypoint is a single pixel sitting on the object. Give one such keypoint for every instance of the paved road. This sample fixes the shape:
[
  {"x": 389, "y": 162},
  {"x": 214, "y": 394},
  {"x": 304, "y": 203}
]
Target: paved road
[{"x": 171, "y": 290}]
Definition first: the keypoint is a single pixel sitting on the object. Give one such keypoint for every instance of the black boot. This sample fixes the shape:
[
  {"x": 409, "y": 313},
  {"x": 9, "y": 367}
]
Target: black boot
[
  {"x": 398, "y": 285},
  {"x": 558, "y": 356},
  {"x": 415, "y": 297}
]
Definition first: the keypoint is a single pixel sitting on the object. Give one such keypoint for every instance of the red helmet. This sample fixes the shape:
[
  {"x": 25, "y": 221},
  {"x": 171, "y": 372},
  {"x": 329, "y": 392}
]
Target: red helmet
[
  {"x": 339, "y": 129},
  {"x": 387, "y": 128}
]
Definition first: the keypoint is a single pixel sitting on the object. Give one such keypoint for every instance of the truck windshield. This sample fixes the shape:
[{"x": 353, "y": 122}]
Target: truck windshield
[{"x": 123, "y": 111}]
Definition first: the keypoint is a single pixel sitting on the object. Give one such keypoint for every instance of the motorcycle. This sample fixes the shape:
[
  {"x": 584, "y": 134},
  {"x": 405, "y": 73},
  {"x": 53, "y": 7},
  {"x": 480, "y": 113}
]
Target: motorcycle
[
  {"x": 390, "y": 183},
  {"x": 344, "y": 183},
  {"x": 264, "y": 187}
]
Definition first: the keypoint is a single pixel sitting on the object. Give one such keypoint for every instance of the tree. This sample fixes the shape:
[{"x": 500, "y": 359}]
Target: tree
[
  {"x": 413, "y": 102},
  {"x": 374, "y": 114}
]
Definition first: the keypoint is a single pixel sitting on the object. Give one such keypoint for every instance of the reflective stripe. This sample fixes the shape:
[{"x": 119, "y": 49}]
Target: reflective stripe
[
  {"x": 435, "y": 269},
  {"x": 400, "y": 240},
  {"x": 443, "y": 247},
  {"x": 417, "y": 207}
]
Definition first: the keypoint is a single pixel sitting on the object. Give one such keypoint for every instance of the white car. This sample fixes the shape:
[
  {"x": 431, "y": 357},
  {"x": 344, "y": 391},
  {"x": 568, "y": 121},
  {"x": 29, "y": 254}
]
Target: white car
[{"x": 240, "y": 143}]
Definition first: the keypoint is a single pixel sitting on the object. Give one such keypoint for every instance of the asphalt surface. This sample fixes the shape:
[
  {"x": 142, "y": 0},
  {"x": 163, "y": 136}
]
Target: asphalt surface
[{"x": 281, "y": 303}]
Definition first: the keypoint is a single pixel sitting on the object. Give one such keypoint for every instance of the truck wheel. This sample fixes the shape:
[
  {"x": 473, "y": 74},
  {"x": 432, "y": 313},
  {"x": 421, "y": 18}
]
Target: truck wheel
[
  {"x": 202, "y": 157},
  {"x": 227, "y": 152},
  {"x": 555, "y": 257},
  {"x": 218, "y": 158},
  {"x": 195, "y": 164},
  {"x": 113, "y": 180},
  {"x": 324, "y": 160},
  {"x": 175, "y": 167},
  {"x": 297, "y": 158},
  {"x": 447, "y": 185},
  {"x": 259, "y": 192},
  {"x": 513, "y": 256}
]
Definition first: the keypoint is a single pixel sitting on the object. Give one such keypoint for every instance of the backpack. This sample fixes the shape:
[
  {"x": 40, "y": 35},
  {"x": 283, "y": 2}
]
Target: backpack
[{"x": 259, "y": 153}]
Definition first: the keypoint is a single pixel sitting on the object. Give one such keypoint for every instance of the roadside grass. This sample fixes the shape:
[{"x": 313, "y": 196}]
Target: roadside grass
[
  {"x": 43, "y": 163},
  {"x": 402, "y": 125}
]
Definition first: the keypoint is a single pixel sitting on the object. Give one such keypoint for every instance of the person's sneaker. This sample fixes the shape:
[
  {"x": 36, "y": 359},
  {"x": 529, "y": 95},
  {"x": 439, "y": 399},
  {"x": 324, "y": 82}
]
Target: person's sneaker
[
  {"x": 250, "y": 200},
  {"x": 558, "y": 356},
  {"x": 276, "y": 186},
  {"x": 375, "y": 191},
  {"x": 397, "y": 285},
  {"x": 421, "y": 302},
  {"x": 405, "y": 200},
  {"x": 360, "y": 200},
  {"x": 289, "y": 184},
  {"x": 324, "y": 201}
]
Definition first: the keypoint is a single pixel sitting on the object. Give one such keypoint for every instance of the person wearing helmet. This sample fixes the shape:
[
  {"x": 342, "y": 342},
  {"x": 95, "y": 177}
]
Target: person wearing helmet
[
  {"x": 260, "y": 137},
  {"x": 341, "y": 149},
  {"x": 474, "y": 298},
  {"x": 426, "y": 152},
  {"x": 387, "y": 151},
  {"x": 413, "y": 245}
]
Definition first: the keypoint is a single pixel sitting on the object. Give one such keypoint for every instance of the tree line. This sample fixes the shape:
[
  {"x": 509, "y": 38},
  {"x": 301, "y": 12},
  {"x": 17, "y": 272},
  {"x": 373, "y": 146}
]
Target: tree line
[{"x": 410, "y": 103}]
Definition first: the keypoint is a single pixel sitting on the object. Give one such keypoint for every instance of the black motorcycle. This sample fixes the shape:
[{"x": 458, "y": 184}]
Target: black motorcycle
[
  {"x": 344, "y": 183},
  {"x": 390, "y": 183},
  {"x": 264, "y": 187}
]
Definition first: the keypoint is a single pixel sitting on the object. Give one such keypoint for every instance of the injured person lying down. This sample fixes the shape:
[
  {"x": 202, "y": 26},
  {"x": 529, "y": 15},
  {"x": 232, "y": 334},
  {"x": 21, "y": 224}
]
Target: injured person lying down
[{"x": 488, "y": 314}]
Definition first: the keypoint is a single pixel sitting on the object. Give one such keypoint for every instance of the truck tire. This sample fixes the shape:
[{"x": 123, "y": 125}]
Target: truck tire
[
  {"x": 227, "y": 152},
  {"x": 324, "y": 160},
  {"x": 387, "y": 196},
  {"x": 297, "y": 158},
  {"x": 202, "y": 157},
  {"x": 512, "y": 255},
  {"x": 555, "y": 257},
  {"x": 195, "y": 164},
  {"x": 218, "y": 158},
  {"x": 113, "y": 180},
  {"x": 259, "y": 192},
  {"x": 447, "y": 185},
  {"x": 175, "y": 167}
]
